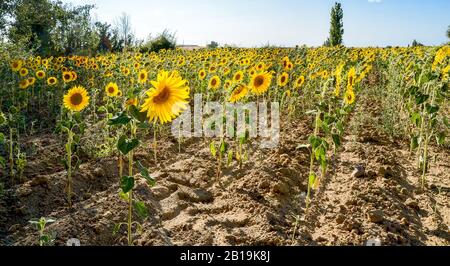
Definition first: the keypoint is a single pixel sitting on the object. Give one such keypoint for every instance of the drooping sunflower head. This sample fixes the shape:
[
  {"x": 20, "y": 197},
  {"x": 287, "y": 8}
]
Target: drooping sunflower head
[
  {"x": 76, "y": 99},
  {"x": 214, "y": 82},
  {"x": 238, "y": 93},
  {"x": 167, "y": 99},
  {"x": 112, "y": 89},
  {"x": 260, "y": 83},
  {"x": 52, "y": 81},
  {"x": 40, "y": 74},
  {"x": 349, "y": 97},
  {"x": 142, "y": 76},
  {"x": 283, "y": 79}
]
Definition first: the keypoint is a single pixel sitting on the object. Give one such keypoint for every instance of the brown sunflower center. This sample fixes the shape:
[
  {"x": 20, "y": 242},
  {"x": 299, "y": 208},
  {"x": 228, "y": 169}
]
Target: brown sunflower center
[
  {"x": 238, "y": 77},
  {"x": 76, "y": 99},
  {"x": 162, "y": 97},
  {"x": 40, "y": 74},
  {"x": 283, "y": 79},
  {"x": 111, "y": 89},
  {"x": 214, "y": 82},
  {"x": 259, "y": 80},
  {"x": 142, "y": 76},
  {"x": 67, "y": 76}
]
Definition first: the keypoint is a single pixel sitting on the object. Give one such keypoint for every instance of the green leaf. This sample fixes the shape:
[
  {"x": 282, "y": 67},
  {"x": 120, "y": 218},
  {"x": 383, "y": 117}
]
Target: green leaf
[
  {"x": 311, "y": 179},
  {"x": 315, "y": 141},
  {"x": 125, "y": 145},
  {"x": 340, "y": 127},
  {"x": 137, "y": 114},
  {"x": 223, "y": 147},
  {"x": 336, "y": 140},
  {"x": 421, "y": 98},
  {"x": 146, "y": 174},
  {"x": 415, "y": 119},
  {"x": 2, "y": 119},
  {"x": 212, "y": 149},
  {"x": 127, "y": 183},
  {"x": 124, "y": 196},
  {"x": 2, "y": 138},
  {"x": 120, "y": 119},
  {"x": 140, "y": 208},
  {"x": 431, "y": 109},
  {"x": 446, "y": 122},
  {"x": 440, "y": 138},
  {"x": 230, "y": 157},
  {"x": 102, "y": 109},
  {"x": 2, "y": 162},
  {"x": 414, "y": 142}
]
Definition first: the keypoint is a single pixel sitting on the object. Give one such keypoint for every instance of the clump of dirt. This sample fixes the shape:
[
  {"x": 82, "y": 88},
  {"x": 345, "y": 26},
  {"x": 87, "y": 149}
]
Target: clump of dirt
[{"x": 251, "y": 205}]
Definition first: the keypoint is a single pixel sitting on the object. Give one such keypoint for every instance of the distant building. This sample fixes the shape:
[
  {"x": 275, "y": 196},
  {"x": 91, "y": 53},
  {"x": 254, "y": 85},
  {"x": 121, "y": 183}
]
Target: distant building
[{"x": 190, "y": 47}]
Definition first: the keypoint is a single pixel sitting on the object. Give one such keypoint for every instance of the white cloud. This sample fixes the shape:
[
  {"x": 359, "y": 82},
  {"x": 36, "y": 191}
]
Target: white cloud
[{"x": 374, "y": 1}]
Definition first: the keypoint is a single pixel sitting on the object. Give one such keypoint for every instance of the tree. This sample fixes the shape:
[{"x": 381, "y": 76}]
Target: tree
[
  {"x": 415, "y": 43},
  {"x": 448, "y": 32},
  {"x": 125, "y": 30},
  {"x": 165, "y": 40},
  {"x": 337, "y": 25},
  {"x": 213, "y": 45}
]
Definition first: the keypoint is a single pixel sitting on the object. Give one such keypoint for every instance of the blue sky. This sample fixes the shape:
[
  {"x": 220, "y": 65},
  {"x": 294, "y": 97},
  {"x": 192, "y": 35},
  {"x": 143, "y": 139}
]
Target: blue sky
[{"x": 252, "y": 23}]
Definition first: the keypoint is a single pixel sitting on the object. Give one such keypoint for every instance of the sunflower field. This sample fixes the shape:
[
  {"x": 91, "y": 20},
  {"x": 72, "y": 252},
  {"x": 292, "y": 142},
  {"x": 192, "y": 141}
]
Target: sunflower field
[{"x": 86, "y": 149}]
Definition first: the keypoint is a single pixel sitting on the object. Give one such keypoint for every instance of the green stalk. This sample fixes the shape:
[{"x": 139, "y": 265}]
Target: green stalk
[
  {"x": 69, "y": 167},
  {"x": 130, "y": 194},
  {"x": 11, "y": 156}
]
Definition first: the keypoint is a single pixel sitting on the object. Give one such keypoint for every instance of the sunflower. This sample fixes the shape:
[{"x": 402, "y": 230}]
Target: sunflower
[
  {"x": 142, "y": 77},
  {"x": 238, "y": 93},
  {"x": 23, "y": 84},
  {"x": 167, "y": 99},
  {"x": 23, "y": 72},
  {"x": 260, "y": 83},
  {"x": 283, "y": 79},
  {"x": 132, "y": 102},
  {"x": 112, "y": 89},
  {"x": 126, "y": 71},
  {"x": 52, "y": 81},
  {"x": 238, "y": 77},
  {"x": 16, "y": 65},
  {"x": 202, "y": 74},
  {"x": 76, "y": 99},
  {"x": 349, "y": 97},
  {"x": 67, "y": 76},
  {"x": 299, "y": 82},
  {"x": 40, "y": 74},
  {"x": 214, "y": 82},
  {"x": 227, "y": 84},
  {"x": 31, "y": 81},
  {"x": 119, "y": 93},
  {"x": 351, "y": 77}
]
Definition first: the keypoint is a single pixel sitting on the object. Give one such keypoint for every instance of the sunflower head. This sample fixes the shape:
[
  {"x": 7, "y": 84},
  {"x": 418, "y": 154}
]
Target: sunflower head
[
  {"x": 214, "y": 83},
  {"x": 112, "y": 89},
  {"x": 16, "y": 65},
  {"x": 40, "y": 74},
  {"x": 238, "y": 77},
  {"x": 349, "y": 97},
  {"x": 238, "y": 93},
  {"x": 283, "y": 79},
  {"x": 67, "y": 76},
  {"x": 142, "y": 76},
  {"x": 23, "y": 72},
  {"x": 76, "y": 99},
  {"x": 23, "y": 84},
  {"x": 167, "y": 99},
  {"x": 202, "y": 74},
  {"x": 299, "y": 82},
  {"x": 52, "y": 81},
  {"x": 260, "y": 83}
]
